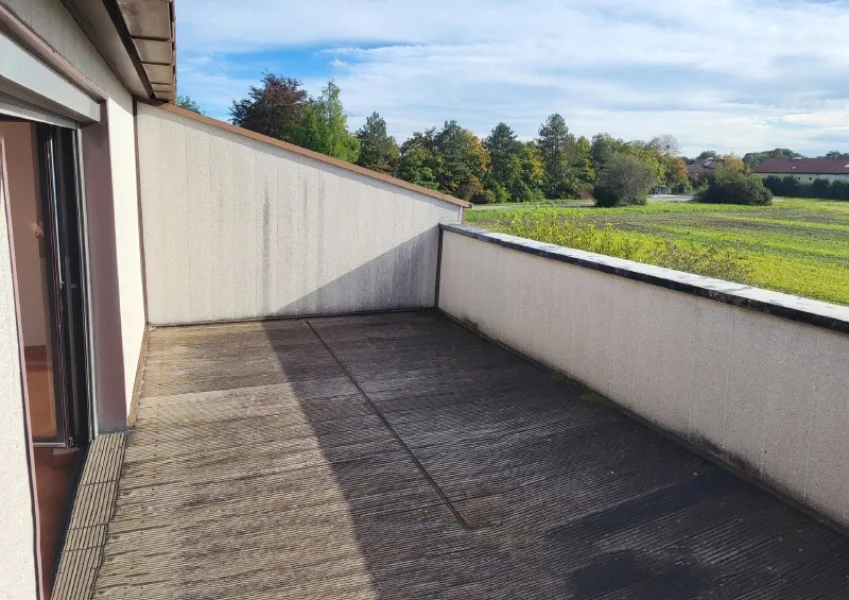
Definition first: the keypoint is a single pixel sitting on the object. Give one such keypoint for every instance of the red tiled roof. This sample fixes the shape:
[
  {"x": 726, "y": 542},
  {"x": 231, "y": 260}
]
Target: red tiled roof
[
  {"x": 813, "y": 166},
  {"x": 700, "y": 166}
]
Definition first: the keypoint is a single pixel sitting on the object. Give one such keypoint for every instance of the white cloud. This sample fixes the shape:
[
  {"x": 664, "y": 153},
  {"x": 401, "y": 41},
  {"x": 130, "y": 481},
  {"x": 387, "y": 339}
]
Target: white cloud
[{"x": 727, "y": 74}]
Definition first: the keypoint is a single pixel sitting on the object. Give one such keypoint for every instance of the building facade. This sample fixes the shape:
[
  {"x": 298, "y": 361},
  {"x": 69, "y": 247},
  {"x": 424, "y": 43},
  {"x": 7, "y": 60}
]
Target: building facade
[
  {"x": 88, "y": 137},
  {"x": 805, "y": 170}
]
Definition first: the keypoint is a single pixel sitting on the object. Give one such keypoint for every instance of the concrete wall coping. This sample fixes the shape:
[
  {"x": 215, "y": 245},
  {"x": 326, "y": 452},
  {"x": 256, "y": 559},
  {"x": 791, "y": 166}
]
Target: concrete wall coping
[{"x": 804, "y": 310}]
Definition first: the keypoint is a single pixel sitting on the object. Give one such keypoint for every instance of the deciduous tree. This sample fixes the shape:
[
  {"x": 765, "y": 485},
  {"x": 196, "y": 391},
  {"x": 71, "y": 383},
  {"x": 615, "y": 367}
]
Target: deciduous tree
[
  {"x": 378, "y": 150},
  {"x": 625, "y": 180},
  {"x": 729, "y": 167},
  {"x": 274, "y": 108},
  {"x": 650, "y": 154},
  {"x": 189, "y": 104},
  {"x": 676, "y": 174},
  {"x": 669, "y": 145},
  {"x": 418, "y": 163},
  {"x": 465, "y": 162},
  {"x": 533, "y": 174},
  {"x": 604, "y": 146},
  {"x": 324, "y": 126}
]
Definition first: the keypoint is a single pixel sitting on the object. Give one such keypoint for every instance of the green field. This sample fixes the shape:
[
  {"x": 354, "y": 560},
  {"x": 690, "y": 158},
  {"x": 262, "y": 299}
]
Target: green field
[{"x": 796, "y": 246}]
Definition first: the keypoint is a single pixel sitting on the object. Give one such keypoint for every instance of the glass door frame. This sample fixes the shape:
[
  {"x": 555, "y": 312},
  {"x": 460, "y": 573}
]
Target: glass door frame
[{"x": 63, "y": 210}]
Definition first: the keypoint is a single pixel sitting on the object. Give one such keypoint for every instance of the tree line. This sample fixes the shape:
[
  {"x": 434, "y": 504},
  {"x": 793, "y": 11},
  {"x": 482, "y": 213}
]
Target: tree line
[
  {"x": 753, "y": 159},
  {"x": 452, "y": 159},
  {"x": 557, "y": 164}
]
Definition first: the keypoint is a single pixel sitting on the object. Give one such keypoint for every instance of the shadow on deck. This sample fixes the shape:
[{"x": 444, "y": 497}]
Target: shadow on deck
[{"x": 401, "y": 456}]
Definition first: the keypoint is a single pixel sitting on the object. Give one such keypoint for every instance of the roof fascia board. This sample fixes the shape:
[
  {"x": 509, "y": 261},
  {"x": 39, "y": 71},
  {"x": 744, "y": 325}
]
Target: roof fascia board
[{"x": 97, "y": 18}]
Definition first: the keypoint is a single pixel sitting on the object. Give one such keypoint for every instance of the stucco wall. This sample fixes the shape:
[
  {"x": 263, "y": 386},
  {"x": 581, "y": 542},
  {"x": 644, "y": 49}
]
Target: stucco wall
[
  {"x": 235, "y": 228},
  {"x": 17, "y": 533},
  {"x": 766, "y": 393},
  {"x": 122, "y": 146},
  {"x": 52, "y": 22}
]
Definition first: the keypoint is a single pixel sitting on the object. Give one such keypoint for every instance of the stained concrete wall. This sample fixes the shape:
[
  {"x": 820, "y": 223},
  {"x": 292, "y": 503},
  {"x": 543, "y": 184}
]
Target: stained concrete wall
[
  {"x": 18, "y": 573},
  {"x": 50, "y": 20},
  {"x": 236, "y": 228},
  {"x": 766, "y": 393}
]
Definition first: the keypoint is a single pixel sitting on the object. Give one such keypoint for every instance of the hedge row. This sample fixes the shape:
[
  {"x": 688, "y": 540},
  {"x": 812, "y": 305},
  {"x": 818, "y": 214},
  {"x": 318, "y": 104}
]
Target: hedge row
[{"x": 791, "y": 187}]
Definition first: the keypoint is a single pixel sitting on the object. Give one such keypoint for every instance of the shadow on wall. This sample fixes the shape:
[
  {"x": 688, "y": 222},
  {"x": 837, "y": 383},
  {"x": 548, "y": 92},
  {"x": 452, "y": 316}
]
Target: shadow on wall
[
  {"x": 237, "y": 229},
  {"x": 402, "y": 278}
]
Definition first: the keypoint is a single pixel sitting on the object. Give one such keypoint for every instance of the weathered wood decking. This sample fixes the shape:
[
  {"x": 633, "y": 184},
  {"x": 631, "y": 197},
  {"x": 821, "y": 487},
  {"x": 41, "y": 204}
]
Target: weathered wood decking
[{"x": 401, "y": 456}]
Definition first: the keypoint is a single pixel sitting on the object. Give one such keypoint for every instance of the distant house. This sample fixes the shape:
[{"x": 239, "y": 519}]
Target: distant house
[
  {"x": 699, "y": 167},
  {"x": 805, "y": 170}
]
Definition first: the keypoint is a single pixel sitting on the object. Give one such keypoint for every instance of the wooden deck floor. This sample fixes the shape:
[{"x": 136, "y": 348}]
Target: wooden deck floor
[{"x": 401, "y": 456}]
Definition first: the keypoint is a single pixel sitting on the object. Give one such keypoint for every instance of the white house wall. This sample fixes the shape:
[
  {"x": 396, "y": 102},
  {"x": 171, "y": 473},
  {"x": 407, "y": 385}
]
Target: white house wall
[
  {"x": 122, "y": 147},
  {"x": 52, "y": 22},
  {"x": 235, "y": 228}
]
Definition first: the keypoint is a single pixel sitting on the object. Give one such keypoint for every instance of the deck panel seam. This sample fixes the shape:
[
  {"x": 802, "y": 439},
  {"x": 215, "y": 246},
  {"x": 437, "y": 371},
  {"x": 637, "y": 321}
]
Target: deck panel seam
[{"x": 459, "y": 517}]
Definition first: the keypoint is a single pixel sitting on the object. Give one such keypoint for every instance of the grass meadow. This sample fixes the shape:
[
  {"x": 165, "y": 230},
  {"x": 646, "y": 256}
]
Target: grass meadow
[{"x": 798, "y": 246}]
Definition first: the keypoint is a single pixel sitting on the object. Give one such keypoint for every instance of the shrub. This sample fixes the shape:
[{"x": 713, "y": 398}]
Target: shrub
[
  {"x": 472, "y": 190},
  {"x": 484, "y": 197},
  {"x": 535, "y": 196},
  {"x": 584, "y": 192},
  {"x": 820, "y": 188},
  {"x": 625, "y": 180},
  {"x": 685, "y": 187},
  {"x": 549, "y": 225},
  {"x": 783, "y": 186},
  {"x": 499, "y": 192},
  {"x": 840, "y": 190},
  {"x": 704, "y": 260},
  {"x": 739, "y": 189}
]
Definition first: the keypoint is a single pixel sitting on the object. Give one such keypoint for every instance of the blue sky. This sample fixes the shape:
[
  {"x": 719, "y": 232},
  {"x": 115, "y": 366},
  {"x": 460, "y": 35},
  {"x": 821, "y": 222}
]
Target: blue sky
[{"x": 730, "y": 75}]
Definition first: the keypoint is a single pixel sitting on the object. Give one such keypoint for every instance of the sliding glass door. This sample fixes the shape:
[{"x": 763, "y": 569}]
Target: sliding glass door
[
  {"x": 63, "y": 235},
  {"x": 41, "y": 160}
]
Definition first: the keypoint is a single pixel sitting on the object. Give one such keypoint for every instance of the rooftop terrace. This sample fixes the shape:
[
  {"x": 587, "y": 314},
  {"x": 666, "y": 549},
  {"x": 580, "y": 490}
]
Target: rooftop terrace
[{"x": 400, "y": 455}]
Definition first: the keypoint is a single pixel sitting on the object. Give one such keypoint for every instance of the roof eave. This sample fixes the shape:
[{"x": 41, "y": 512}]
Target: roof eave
[
  {"x": 136, "y": 38},
  {"x": 150, "y": 27}
]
